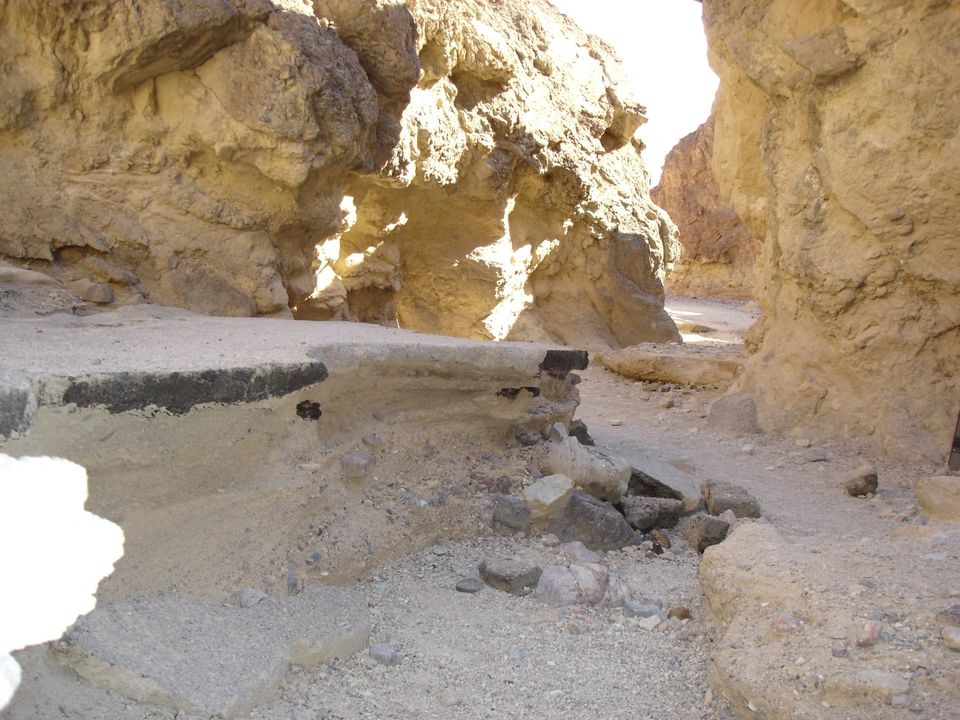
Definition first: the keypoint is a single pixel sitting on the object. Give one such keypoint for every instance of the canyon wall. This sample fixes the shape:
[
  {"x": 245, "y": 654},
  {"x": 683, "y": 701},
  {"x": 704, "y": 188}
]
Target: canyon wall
[
  {"x": 718, "y": 255},
  {"x": 837, "y": 142},
  {"x": 463, "y": 167}
]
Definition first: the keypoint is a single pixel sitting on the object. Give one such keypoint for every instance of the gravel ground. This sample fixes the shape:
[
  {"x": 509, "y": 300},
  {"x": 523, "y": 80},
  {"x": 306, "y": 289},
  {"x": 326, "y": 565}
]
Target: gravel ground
[{"x": 496, "y": 655}]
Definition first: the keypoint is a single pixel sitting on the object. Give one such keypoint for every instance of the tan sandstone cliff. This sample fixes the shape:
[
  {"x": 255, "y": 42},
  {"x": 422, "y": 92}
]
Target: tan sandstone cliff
[
  {"x": 463, "y": 167},
  {"x": 837, "y": 141},
  {"x": 718, "y": 255}
]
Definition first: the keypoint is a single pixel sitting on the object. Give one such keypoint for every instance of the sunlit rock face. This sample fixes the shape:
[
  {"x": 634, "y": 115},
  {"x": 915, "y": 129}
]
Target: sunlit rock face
[
  {"x": 463, "y": 167},
  {"x": 837, "y": 141},
  {"x": 719, "y": 256}
]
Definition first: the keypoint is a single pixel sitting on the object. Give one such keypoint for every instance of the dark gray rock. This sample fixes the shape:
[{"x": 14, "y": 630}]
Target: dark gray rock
[
  {"x": 518, "y": 577},
  {"x": 578, "y": 429},
  {"x": 470, "y": 585},
  {"x": 702, "y": 531},
  {"x": 652, "y": 477},
  {"x": 647, "y": 513},
  {"x": 510, "y": 512},
  {"x": 595, "y": 523},
  {"x": 720, "y": 495}
]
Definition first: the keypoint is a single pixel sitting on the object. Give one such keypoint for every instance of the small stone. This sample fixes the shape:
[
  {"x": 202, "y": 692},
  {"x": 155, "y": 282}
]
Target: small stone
[
  {"x": 515, "y": 653},
  {"x": 649, "y": 623},
  {"x": 785, "y": 623},
  {"x": 802, "y": 443},
  {"x": 668, "y": 404},
  {"x": 869, "y": 633},
  {"x": 357, "y": 465},
  {"x": 385, "y": 654},
  {"x": 557, "y": 432},
  {"x": 616, "y": 423},
  {"x": 578, "y": 429},
  {"x": 373, "y": 440},
  {"x": 637, "y": 609},
  {"x": 720, "y": 495},
  {"x": 577, "y": 552},
  {"x": 702, "y": 531},
  {"x": 548, "y": 495},
  {"x": 251, "y": 596},
  {"x": 679, "y": 613},
  {"x": 862, "y": 481},
  {"x": 517, "y": 577},
  {"x": 951, "y": 638},
  {"x": 527, "y": 438},
  {"x": 469, "y": 585},
  {"x": 510, "y": 512},
  {"x": 838, "y": 650},
  {"x": 440, "y": 550},
  {"x": 661, "y": 537},
  {"x": 814, "y": 454}
]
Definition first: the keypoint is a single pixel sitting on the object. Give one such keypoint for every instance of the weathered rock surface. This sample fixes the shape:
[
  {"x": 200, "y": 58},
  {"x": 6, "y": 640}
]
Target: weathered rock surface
[
  {"x": 720, "y": 496},
  {"x": 595, "y": 523},
  {"x": 734, "y": 414},
  {"x": 688, "y": 364},
  {"x": 647, "y": 513},
  {"x": 605, "y": 476},
  {"x": 841, "y": 122},
  {"x": 207, "y": 659},
  {"x": 702, "y": 531},
  {"x": 467, "y": 168},
  {"x": 510, "y": 512},
  {"x": 547, "y": 495},
  {"x": 718, "y": 254}
]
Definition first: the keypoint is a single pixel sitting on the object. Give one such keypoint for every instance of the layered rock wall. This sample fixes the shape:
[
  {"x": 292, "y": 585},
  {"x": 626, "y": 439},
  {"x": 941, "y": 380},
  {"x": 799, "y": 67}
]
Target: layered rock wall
[
  {"x": 463, "y": 167},
  {"x": 837, "y": 142},
  {"x": 719, "y": 256}
]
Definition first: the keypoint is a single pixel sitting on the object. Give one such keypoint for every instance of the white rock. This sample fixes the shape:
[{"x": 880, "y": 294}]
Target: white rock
[
  {"x": 599, "y": 474},
  {"x": 548, "y": 495}
]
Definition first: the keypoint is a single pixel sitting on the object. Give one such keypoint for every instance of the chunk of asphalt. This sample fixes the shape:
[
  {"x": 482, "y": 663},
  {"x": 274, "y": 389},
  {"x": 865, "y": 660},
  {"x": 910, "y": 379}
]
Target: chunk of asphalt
[{"x": 210, "y": 660}]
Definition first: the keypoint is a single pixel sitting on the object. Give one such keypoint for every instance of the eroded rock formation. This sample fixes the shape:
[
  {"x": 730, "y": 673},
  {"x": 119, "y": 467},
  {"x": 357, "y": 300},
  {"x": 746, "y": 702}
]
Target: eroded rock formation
[
  {"x": 837, "y": 143},
  {"x": 719, "y": 256},
  {"x": 464, "y": 167}
]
